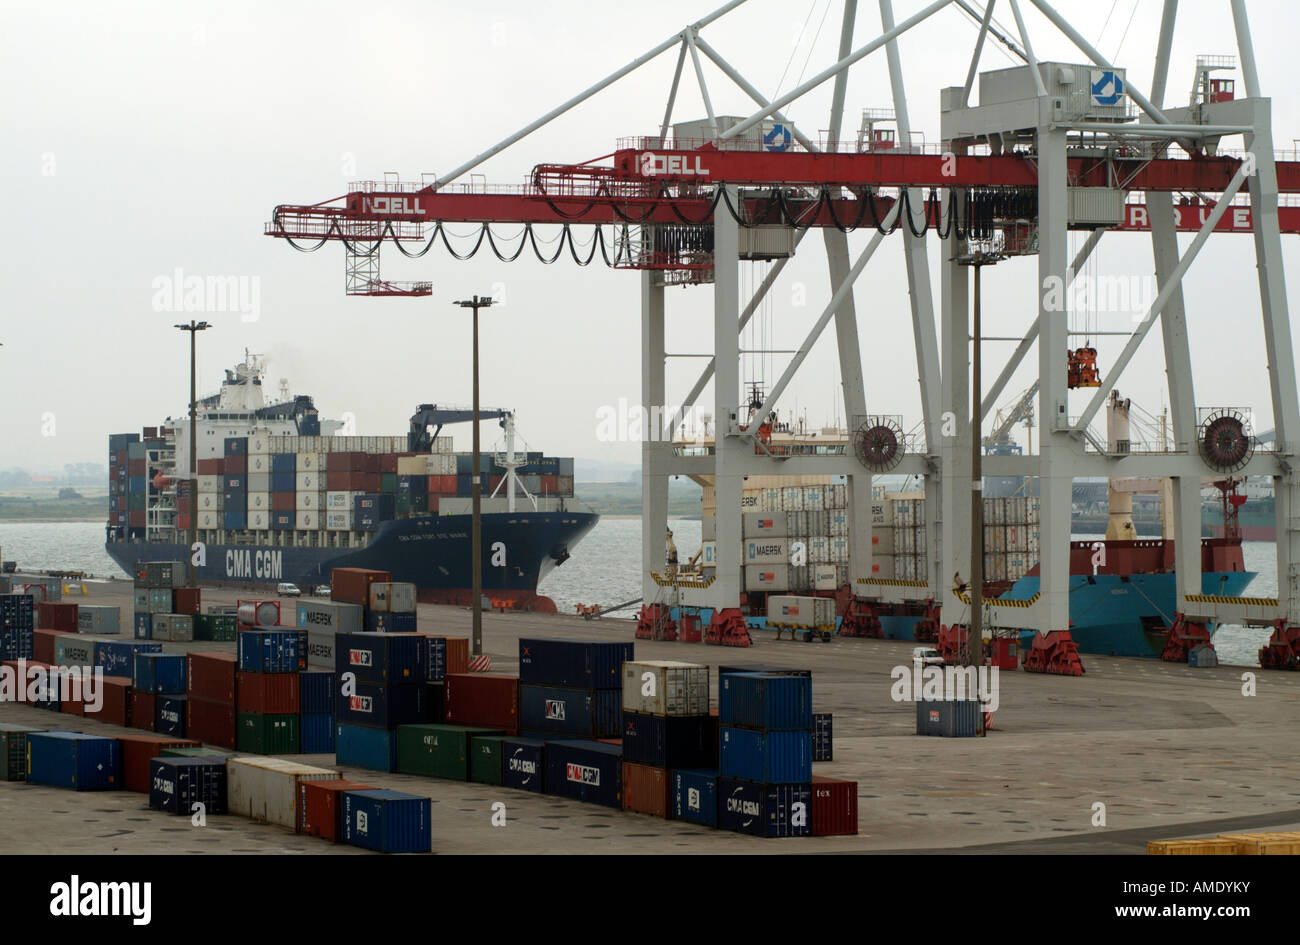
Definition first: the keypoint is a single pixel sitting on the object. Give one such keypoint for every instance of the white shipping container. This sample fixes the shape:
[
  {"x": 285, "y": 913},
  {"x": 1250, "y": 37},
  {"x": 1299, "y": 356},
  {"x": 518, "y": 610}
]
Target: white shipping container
[
  {"x": 207, "y": 520},
  {"x": 839, "y": 550},
  {"x": 307, "y": 521},
  {"x": 308, "y": 481},
  {"x": 419, "y": 465},
  {"x": 209, "y": 484},
  {"x": 814, "y": 497},
  {"x": 837, "y": 496},
  {"x": 259, "y": 463},
  {"x": 882, "y": 541},
  {"x": 266, "y": 789},
  {"x": 904, "y": 568},
  {"x": 766, "y": 551},
  {"x": 211, "y": 501},
  {"x": 803, "y": 612},
  {"x": 665, "y": 687},
  {"x": 259, "y": 443},
  {"x": 259, "y": 521},
  {"x": 175, "y": 628},
  {"x": 800, "y": 579},
  {"x": 338, "y": 521},
  {"x": 340, "y": 501},
  {"x": 309, "y": 462},
  {"x": 98, "y": 618},
  {"x": 824, "y": 577},
  {"x": 749, "y": 502},
  {"x": 1017, "y": 566},
  {"x": 920, "y": 540},
  {"x": 259, "y": 501},
  {"x": 309, "y": 501},
  {"x": 444, "y": 464},
  {"x": 763, "y": 525},
  {"x": 842, "y": 574},
  {"x": 819, "y": 549},
  {"x": 336, "y": 616},
  {"x": 882, "y": 513},
  {"x": 72, "y": 649},
  {"x": 397, "y": 597},
  {"x": 792, "y": 498},
  {"x": 767, "y": 577},
  {"x": 905, "y": 541}
]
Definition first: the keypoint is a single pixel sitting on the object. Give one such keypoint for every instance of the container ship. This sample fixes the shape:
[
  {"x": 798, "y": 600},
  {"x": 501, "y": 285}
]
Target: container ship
[
  {"x": 1124, "y": 607},
  {"x": 283, "y": 496}
]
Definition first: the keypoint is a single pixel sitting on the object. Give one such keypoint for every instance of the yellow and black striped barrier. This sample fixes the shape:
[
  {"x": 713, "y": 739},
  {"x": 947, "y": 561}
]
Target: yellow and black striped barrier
[
  {"x": 885, "y": 582},
  {"x": 998, "y": 601},
  {"x": 1242, "y": 601},
  {"x": 662, "y": 581}
]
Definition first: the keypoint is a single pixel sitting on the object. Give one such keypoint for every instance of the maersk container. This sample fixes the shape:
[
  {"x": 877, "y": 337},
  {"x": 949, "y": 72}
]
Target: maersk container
[
  {"x": 13, "y": 751},
  {"x": 99, "y": 619},
  {"x": 321, "y": 647},
  {"x": 670, "y": 741},
  {"x": 316, "y": 692},
  {"x": 365, "y": 747},
  {"x": 169, "y": 715},
  {"x": 665, "y": 687},
  {"x": 951, "y": 718},
  {"x": 267, "y": 789},
  {"x": 172, "y": 627},
  {"x": 268, "y": 651},
  {"x": 761, "y": 525},
  {"x": 74, "y": 761},
  {"x": 771, "y": 757},
  {"x": 177, "y": 784},
  {"x": 316, "y": 733},
  {"x": 573, "y": 664},
  {"x": 71, "y": 649},
  {"x": 523, "y": 763},
  {"x": 438, "y": 751},
  {"x": 580, "y": 713},
  {"x": 335, "y": 616},
  {"x": 764, "y": 810},
  {"x": 379, "y": 622},
  {"x": 382, "y": 658},
  {"x": 392, "y": 597},
  {"x": 387, "y": 821},
  {"x": 585, "y": 771},
  {"x": 159, "y": 672},
  {"x": 383, "y": 706},
  {"x": 117, "y": 657},
  {"x": 823, "y": 744},
  {"x": 768, "y": 702},
  {"x": 802, "y": 613},
  {"x": 695, "y": 796}
]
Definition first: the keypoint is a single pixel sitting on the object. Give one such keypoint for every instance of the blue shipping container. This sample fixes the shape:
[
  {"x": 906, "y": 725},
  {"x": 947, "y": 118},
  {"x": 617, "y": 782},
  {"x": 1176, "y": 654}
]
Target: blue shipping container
[
  {"x": 117, "y": 657},
  {"x": 143, "y": 626},
  {"x": 236, "y": 446},
  {"x": 232, "y": 518},
  {"x": 383, "y": 706},
  {"x": 316, "y": 692},
  {"x": 582, "y": 713},
  {"x": 169, "y": 716},
  {"x": 573, "y": 664},
  {"x": 585, "y": 771},
  {"x": 159, "y": 672},
  {"x": 387, "y": 821},
  {"x": 523, "y": 763},
  {"x": 74, "y": 761},
  {"x": 823, "y": 745},
  {"x": 753, "y": 700},
  {"x": 379, "y": 658},
  {"x": 437, "y": 662},
  {"x": 283, "y": 481},
  {"x": 670, "y": 741},
  {"x": 316, "y": 733},
  {"x": 268, "y": 651},
  {"x": 371, "y": 748},
  {"x": 17, "y": 643},
  {"x": 378, "y": 622},
  {"x": 774, "y": 757},
  {"x": 695, "y": 797},
  {"x": 177, "y": 784},
  {"x": 764, "y": 810},
  {"x": 284, "y": 463}
]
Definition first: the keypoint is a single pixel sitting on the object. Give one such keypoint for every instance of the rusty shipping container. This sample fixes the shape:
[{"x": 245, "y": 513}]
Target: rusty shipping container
[
  {"x": 646, "y": 790},
  {"x": 490, "y": 700}
]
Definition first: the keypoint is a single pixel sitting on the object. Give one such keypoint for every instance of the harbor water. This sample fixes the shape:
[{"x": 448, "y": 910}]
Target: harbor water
[{"x": 604, "y": 568}]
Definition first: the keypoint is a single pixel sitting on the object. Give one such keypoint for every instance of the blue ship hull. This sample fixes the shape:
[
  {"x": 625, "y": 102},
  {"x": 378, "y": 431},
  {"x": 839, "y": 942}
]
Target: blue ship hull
[{"x": 432, "y": 552}]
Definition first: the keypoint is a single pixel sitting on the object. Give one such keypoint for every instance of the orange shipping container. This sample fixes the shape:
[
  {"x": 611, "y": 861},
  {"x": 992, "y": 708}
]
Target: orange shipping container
[
  {"x": 645, "y": 789},
  {"x": 457, "y": 655}
]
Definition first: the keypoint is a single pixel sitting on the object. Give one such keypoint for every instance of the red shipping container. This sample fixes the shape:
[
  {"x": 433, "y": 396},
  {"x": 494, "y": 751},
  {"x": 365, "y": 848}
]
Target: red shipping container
[
  {"x": 72, "y": 706},
  {"x": 144, "y": 710},
  {"x": 550, "y": 484},
  {"x": 57, "y": 616},
  {"x": 267, "y": 693},
  {"x": 320, "y": 807},
  {"x": 210, "y": 722},
  {"x": 385, "y": 462},
  {"x": 148, "y": 433},
  {"x": 352, "y": 585},
  {"x": 834, "y": 807},
  {"x": 431, "y": 503},
  {"x": 457, "y": 654},
  {"x": 43, "y": 644},
  {"x": 284, "y": 501},
  {"x": 645, "y": 789},
  {"x": 211, "y": 676},
  {"x": 135, "y": 518},
  {"x": 183, "y": 520},
  {"x": 115, "y": 708},
  {"x": 490, "y": 700},
  {"x": 136, "y": 468},
  {"x": 138, "y": 750},
  {"x": 210, "y": 467},
  {"x": 185, "y": 600}
]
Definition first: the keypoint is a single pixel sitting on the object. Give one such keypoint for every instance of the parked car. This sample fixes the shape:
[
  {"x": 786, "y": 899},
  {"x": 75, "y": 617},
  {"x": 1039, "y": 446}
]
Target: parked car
[
  {"x": 285, "y": 589},
  {"x": 321, "y": 590},
  {"x": 926, "y": 656}
]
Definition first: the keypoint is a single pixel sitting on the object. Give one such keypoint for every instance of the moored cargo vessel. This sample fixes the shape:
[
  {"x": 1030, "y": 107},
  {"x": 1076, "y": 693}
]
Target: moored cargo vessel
[{"x": 284, "y": 496}]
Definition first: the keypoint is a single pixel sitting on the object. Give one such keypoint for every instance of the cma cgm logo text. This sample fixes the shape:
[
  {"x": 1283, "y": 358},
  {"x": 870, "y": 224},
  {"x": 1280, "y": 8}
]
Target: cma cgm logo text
[
  {"x": 360, "y": 658},
  {"x": 684, "y": 165},
  {"x": 380, "y": 204},
  {"x": 555, "y": 709},
  {"x": 360, "y": 703},
  {"x": 582, "y": 774}
]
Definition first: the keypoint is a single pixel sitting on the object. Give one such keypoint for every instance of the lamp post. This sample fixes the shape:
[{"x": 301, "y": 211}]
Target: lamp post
[
  {"x": 193, "y": 328},
  {"x": 476, "y": 528}
]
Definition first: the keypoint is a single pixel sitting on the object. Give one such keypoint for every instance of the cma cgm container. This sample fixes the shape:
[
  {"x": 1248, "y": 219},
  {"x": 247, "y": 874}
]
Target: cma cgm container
[
  {"x": 382, "y": 658},
  {"x": 320, "y": 807},
  {"x": 137, "y": 750},
  {"x": 365, "y": 747},
  {"x": 580, "y": 713},
  {"x": 665, "y": 687},
  {"x": 670, "y": 741},
  {"x": 573, "y": 664},
  {"x": 695, "y": 796},
  {"x": 486, "y": 699},
  {"x": 585, "y": 771},
  {"x": 177, "y": 784},
  {"x": 169, "y": 716},
  {"x": 523, "y": 763},
  {"x": 316, "y": 692},
  {"x": 769, "y": 702},
  {"x": 773, "y": 757},
  {"x": 387, "y": 821},
  {"x": 74, "y": 761},
  {"x": 764, "y": 810},
  {"x": 383, "y": 706},
  {"x": 268, "y": 789}
]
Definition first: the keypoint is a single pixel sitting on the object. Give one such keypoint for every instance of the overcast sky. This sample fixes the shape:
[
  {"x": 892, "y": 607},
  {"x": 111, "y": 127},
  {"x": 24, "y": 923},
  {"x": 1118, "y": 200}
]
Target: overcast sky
[{"x": 145, "y": 138}]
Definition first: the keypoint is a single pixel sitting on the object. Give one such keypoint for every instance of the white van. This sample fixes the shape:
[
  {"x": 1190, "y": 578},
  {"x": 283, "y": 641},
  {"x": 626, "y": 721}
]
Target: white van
[{"x": 286, "y": 589}]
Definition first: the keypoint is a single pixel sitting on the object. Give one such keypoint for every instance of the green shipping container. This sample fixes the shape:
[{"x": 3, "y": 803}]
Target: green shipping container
[
  {"x": 439, "y": 751},
  {"x": 266, "y": 734},
  {"x": 485, "y": 758},
  {"x": 218, "y": 627},
  {"x": 13, "y": 752},
  {"x": 388, "y": 482}
]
